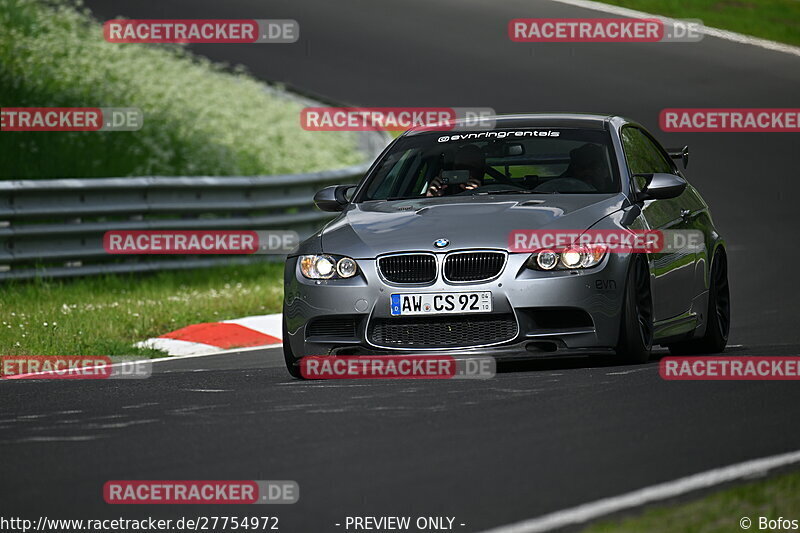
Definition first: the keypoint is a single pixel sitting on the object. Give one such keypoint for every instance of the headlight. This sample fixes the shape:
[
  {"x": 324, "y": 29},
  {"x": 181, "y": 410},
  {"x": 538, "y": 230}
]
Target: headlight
[
  {"x": 346, "y": 267},
  {"x": 594, "y": 254},
  {"x": 570, "y": 258},
  {"x": 547, "y": 259},
  {"x": 327, "y": 267}
]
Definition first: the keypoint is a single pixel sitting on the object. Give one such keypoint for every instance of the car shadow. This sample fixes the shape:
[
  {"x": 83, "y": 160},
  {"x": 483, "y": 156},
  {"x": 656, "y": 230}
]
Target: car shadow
[
  {"x": 573, "y": 362},
  {"x": 566, "y": 362}
]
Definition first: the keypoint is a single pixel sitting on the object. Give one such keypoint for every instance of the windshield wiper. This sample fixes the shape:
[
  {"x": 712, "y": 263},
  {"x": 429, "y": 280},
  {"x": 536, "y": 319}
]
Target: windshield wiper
[{"x": 393, "y": 198}]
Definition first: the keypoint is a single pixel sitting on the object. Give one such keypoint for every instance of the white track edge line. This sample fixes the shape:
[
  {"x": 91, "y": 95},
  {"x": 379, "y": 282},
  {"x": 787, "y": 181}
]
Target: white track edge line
[
  {"x": 707, "y": 30},
  {"x": 662, "y": 491},
  {"x": 157, "y": 360}
]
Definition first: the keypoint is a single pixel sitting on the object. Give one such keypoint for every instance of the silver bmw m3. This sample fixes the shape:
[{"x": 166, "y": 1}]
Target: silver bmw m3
[{"x": 504, "y": 239}]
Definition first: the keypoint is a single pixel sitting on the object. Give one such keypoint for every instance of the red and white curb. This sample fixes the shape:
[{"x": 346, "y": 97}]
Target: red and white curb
[{"x": 213, "y": 337}]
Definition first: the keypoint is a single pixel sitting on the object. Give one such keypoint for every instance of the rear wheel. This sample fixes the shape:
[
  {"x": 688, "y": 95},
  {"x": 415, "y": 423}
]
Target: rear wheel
[
  {"x": 288, "y": 355},
  {"x": 636, "y": 325},
  {"x": 718, "y": 314}
]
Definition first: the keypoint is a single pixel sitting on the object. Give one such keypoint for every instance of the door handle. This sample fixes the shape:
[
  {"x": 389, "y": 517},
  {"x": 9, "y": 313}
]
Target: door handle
[{"x": 686, "y": 215}]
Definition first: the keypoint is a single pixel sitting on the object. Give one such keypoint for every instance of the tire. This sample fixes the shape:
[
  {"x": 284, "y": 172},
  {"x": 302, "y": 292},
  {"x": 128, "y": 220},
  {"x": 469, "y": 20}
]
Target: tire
[
  {"x": 288, "y": 355},
  {"x": 636, "y": 324},
  {"x": 718, "y": 314}
]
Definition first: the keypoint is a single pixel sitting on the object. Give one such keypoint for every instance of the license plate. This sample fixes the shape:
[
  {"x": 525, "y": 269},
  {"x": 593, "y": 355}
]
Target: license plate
[{"x": 435, "y": 303}]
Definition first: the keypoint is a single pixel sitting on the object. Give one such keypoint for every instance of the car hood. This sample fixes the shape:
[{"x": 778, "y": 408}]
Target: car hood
[{"x": 373, "y": 228}]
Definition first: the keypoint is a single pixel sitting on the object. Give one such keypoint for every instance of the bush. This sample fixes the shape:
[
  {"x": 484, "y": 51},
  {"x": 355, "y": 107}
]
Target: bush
[{"x": 198, "y": 118}]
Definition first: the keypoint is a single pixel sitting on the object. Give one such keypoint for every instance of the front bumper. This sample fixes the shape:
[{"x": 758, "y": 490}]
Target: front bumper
[{"x": 563, "y": 311}]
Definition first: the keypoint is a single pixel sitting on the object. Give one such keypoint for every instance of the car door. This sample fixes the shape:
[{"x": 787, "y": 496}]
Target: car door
[{"x": 673, "y": 271}]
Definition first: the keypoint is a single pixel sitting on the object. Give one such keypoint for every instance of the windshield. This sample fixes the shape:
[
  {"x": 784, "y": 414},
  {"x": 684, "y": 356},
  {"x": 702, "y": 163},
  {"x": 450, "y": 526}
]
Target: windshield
[{"x": 524, "y": 161}]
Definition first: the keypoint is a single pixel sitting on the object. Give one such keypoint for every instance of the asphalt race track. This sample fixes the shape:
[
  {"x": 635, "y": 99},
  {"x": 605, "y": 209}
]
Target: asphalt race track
[{"x": 537, "y": 438}]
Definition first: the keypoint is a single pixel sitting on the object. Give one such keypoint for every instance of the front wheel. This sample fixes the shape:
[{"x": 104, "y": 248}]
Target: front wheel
[
  {"x": 636, "y": 324},
  {"x": 718, "y": 314}
]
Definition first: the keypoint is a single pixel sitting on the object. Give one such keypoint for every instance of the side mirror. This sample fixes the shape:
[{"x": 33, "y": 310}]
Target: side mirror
[
  {"x": 662, "y": 186},
  {"x": 333, "y": 198},
  {"x": 680, "y": 153}
]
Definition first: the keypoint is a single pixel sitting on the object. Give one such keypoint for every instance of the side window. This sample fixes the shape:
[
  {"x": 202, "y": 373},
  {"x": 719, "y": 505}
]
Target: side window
[{"x": 642, "y": 155}]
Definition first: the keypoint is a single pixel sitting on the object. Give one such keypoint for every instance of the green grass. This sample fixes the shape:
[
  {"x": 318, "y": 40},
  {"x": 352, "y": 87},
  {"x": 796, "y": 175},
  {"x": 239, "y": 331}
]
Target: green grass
[
  {"x": 106, "y": 315},
  {"x": 777, "y": 20},
  {"x": 199, "y": 118},
  {"x": 719, "y": 512}
]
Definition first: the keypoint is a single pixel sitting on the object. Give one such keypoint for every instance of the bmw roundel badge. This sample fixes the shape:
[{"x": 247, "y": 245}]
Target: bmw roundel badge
[{"x": 441, "y": 243}]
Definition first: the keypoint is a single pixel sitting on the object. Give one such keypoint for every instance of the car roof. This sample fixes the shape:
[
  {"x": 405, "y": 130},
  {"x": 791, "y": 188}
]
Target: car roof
[{"x": 532, "y": 120}]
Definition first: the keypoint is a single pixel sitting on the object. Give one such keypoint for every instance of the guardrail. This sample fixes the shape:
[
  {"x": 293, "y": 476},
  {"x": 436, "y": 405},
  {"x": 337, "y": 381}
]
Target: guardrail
[{"x": 54, "y": 228}]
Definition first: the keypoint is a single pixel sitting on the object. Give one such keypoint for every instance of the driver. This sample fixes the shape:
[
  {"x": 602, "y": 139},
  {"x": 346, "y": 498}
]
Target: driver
[
  {"x": 588, "y": 164},
  {"x": 469, "y": 157}
]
